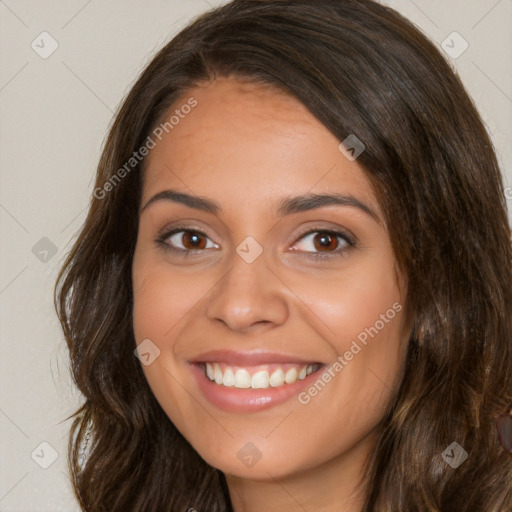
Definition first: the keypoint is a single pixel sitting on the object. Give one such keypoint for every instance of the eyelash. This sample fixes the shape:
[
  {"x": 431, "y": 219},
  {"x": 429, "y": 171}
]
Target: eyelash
[{"x": 163, "y": 237}]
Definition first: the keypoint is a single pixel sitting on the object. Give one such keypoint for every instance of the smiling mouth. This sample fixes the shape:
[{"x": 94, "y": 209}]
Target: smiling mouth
[{"x": 257, "y": 377}]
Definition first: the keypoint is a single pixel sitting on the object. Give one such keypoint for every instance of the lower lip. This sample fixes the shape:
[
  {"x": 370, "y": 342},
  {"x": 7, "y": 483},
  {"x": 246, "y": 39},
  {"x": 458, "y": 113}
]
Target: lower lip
[{"x": 233, "y": 399}]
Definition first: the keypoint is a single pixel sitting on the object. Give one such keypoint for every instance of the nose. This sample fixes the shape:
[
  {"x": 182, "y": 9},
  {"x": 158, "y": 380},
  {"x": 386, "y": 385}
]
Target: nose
[{"x": 248, "y": 297}]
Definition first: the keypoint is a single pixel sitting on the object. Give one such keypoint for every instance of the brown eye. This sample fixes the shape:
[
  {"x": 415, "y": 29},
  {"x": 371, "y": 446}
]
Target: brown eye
[
  {"x": 193, "y": 240},
  {"x": 324, "y": 241},
  {"x": 318, "y": 243},
  {"x": 186, "y": 241}
]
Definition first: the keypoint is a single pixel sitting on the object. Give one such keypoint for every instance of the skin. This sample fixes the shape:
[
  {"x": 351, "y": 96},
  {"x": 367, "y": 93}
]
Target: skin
[{"x": 248, "y": 146}]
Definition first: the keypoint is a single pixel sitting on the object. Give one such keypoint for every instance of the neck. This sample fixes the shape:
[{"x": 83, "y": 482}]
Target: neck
[{"x": 334, "y": 486}]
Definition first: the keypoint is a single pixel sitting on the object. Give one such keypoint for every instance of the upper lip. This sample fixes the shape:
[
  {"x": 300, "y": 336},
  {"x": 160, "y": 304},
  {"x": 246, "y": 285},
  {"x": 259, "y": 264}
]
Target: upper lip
[{"x": 240, "y": 358}]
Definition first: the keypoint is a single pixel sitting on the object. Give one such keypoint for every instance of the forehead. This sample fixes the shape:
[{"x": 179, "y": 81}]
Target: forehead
[{"x": 248, "y": 142}]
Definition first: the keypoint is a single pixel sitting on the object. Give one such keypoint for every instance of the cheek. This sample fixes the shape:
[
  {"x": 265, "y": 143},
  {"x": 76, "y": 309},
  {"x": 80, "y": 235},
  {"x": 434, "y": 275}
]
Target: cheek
[
  {"x": 363, "y": 312},
  {"x": 349, "y": 304},
  {"x": 161, "y": 299},
  {"x": 367, "y": 308}
]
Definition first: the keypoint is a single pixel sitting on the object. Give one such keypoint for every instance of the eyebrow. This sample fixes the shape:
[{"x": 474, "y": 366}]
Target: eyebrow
[{"x": 286, "y": 206}]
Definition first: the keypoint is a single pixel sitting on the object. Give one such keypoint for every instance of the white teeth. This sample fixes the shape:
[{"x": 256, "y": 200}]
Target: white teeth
[
  {"x": 229, "y": 378},
  {"x": 277, "y": 378},
  {"x": 260, "y": 380},
  {"x": 291, "y": 376},
  {"x": 241, "y": 378},
  {"x": 217, "y": 373}
]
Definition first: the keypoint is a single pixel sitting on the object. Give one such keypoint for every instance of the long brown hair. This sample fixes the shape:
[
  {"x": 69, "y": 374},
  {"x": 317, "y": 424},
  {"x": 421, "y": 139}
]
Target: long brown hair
[{"x": 362, "y": 69}]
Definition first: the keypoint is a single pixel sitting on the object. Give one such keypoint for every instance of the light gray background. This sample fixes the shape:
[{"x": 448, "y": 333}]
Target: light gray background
[{"x": 54, "y": 115}]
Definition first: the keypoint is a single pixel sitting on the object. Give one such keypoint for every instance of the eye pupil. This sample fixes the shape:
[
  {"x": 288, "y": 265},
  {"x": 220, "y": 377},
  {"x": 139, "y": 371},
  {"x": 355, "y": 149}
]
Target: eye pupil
[
  {"x": 326, "y": 241},
  {"x": 194, "y": 240}
]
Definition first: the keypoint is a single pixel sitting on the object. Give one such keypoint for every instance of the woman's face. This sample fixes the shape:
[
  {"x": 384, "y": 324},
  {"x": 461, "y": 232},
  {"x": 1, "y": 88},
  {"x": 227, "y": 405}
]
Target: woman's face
[{"x": 246, "y": 274}]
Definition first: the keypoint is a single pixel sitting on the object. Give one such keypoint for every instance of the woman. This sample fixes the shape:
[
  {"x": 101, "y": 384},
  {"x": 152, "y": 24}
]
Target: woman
[{"x": 293, "y": 287}]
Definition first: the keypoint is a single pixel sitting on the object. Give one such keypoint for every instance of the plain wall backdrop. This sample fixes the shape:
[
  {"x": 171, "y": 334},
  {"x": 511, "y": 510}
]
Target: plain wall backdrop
[{"x": 65, "y": 67}]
